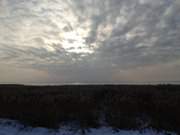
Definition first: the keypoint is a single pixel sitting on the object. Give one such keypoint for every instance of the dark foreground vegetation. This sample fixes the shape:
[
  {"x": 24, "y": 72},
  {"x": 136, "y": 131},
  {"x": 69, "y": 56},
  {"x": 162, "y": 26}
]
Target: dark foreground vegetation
[{"x": 120, "y": 106}]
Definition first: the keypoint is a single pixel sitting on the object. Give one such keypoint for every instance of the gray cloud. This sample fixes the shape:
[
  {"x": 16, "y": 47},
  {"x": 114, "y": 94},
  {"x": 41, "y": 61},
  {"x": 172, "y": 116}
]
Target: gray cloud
[{"x": 90, "y": 41}]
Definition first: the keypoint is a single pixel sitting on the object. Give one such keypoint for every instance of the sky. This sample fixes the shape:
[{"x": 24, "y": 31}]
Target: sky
[{"x": 89, "y": 41}]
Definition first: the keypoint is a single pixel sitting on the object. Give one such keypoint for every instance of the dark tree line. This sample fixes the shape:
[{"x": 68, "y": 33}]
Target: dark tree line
[{"x": 121, "y": 106}]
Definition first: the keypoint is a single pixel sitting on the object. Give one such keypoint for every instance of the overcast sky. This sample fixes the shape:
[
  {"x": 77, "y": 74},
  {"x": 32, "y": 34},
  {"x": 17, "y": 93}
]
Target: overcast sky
[{"x": 89, "y": 41}]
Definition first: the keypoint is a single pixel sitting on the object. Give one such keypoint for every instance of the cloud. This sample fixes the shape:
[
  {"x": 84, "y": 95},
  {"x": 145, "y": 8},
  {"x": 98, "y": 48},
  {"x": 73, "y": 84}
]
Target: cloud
[{"x": 90, "y": 40}]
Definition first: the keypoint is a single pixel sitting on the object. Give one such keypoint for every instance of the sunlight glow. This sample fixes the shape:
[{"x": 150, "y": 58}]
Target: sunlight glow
[{"x": 74, "y": 41}]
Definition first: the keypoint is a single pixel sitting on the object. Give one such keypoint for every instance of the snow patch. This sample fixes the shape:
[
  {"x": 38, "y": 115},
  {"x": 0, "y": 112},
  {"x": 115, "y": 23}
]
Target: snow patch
[{"x": 8, "y": 127}]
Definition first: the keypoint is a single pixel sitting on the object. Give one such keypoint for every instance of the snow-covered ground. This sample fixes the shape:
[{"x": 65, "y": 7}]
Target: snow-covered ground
[{"x": 8, "y": 127}]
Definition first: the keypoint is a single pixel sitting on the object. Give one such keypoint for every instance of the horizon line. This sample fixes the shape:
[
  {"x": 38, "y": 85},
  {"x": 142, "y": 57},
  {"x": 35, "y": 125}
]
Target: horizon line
[{"x": 71, "y": 84}]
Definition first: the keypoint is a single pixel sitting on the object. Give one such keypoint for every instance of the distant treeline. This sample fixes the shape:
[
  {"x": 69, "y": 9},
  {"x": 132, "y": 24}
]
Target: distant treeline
[{"x": 119, "y": 106}]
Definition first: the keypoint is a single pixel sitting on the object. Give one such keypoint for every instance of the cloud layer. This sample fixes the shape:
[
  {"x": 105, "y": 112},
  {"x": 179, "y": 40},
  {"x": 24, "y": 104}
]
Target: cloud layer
[{"x": 89, "y": 41}]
